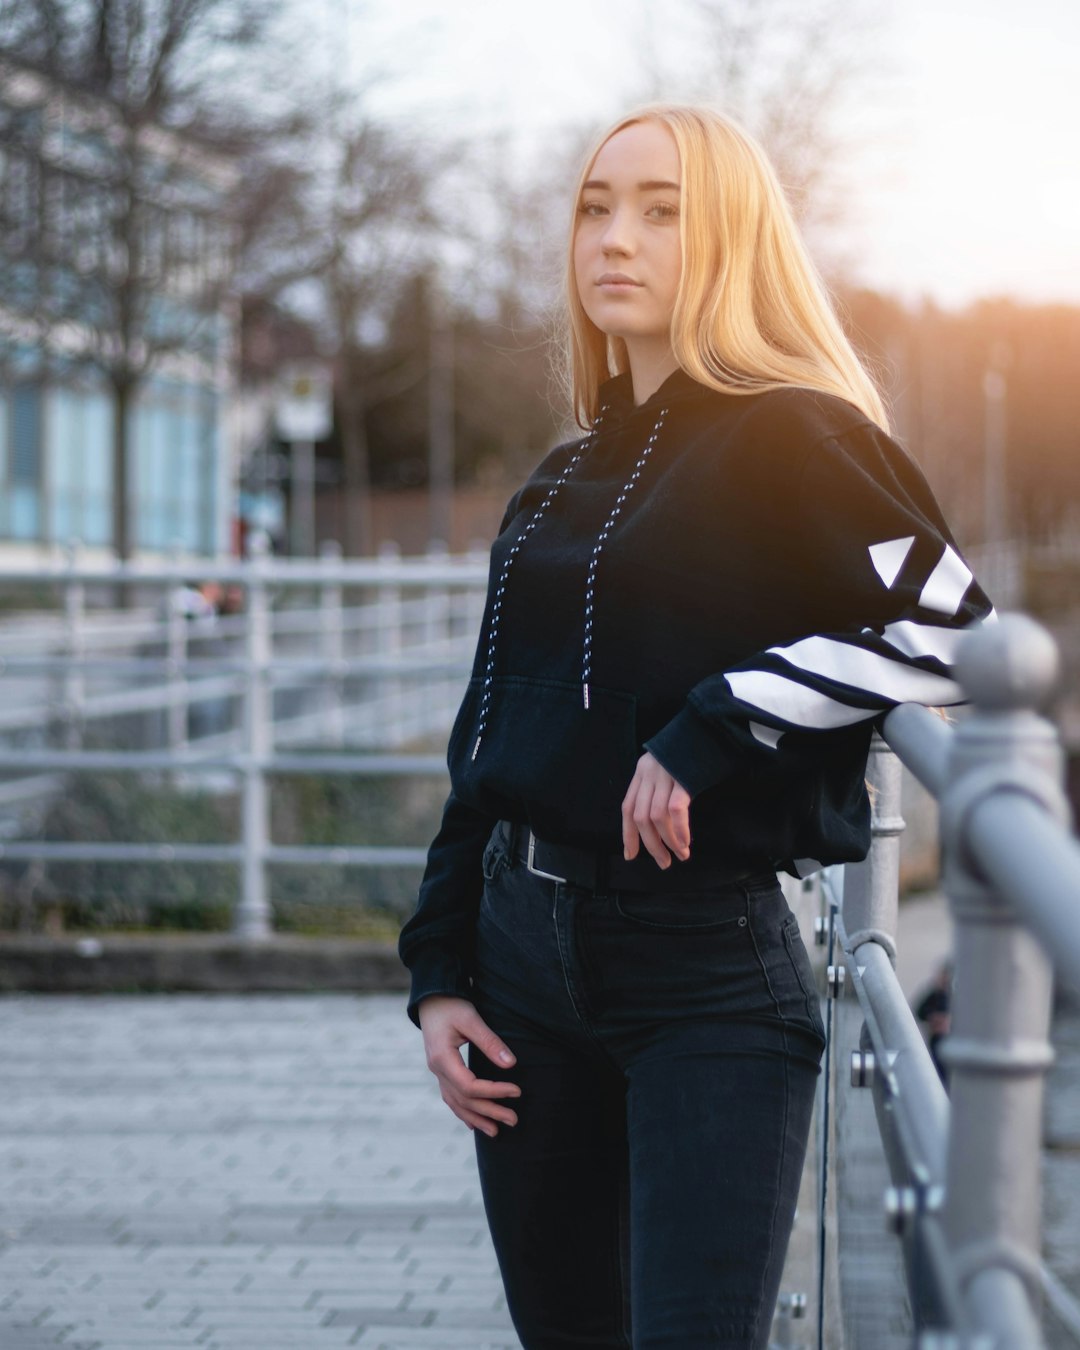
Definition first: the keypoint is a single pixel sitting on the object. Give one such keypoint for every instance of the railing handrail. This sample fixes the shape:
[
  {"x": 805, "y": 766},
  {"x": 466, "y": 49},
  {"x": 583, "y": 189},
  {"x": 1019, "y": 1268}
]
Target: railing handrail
[
  {"x": 467, "y": 569},
  {"x": 1011, "y": 870}
]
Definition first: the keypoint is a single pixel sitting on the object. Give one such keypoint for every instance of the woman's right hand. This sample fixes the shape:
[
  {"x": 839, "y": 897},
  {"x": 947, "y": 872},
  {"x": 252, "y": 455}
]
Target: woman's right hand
[{"x": 447, "y": 1023}]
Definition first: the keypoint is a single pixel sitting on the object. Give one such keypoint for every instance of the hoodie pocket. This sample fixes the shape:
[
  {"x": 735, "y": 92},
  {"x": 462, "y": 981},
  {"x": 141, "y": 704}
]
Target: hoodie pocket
[{"x": 543, "y": 751}]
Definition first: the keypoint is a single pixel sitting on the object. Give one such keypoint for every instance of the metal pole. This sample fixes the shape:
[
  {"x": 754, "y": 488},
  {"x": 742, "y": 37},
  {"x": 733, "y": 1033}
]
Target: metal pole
[
  {"x": 176, "y": 638},
  {"x": 998, "y": 1050},
  {"x": 74, "y": 681},
  {"x": 871, "y": 886},
  {"x": 389, "y": 641},
  {"x": 440, "y": 419},
  {"x": 302, "y": 506},
  {"x": 994, "y": 519},
  {"x": 333, "y": 648},
  {"x": 444, "y": 693},
  {"x": 252, "y": 918}
]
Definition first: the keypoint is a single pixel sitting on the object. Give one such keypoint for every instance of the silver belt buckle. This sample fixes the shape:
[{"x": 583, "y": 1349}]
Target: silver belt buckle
[{"x": 549, "y": 876}]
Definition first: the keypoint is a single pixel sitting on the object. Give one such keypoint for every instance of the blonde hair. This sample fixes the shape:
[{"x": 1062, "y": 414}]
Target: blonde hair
[{"x": 751, "y": 311}]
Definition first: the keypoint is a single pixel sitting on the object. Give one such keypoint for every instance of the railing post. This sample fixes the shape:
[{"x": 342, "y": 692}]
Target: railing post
[
  {"x": 871, "y": 887},
  {"x": 437, "y": 627},
  {"x": 389, "y": 641},
  {"x": 333, "y": 647},
  {"x": 252, "y": 918},
  {"x": 176, "y": 651},
  {"x": 998, "y": 1050},
  {"x": 74, "y": 675}
]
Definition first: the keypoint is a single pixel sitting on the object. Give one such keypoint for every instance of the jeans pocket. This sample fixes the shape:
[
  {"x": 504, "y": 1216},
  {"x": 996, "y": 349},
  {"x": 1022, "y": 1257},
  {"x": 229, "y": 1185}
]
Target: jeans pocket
[
  {"x": 804, "y": 971},
  {"x": 495, "y": 857},
  {"x": 720, "y": 909}
]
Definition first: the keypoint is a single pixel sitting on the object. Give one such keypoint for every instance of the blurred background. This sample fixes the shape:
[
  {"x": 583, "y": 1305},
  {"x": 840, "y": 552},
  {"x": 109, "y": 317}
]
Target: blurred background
[{"x": 282, "y": 280}]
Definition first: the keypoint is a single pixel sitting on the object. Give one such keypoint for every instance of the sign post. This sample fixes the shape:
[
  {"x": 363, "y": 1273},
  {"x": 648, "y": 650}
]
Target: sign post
[{"x": 304, "y": 415}]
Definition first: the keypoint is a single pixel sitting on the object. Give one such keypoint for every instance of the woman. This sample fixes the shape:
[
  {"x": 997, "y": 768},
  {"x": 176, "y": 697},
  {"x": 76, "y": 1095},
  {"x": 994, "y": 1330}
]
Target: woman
[{"x": 696, "y": 615}]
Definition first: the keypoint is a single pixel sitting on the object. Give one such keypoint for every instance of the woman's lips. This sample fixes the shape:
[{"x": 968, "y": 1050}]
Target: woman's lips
[{"x": 617, "y": 281}]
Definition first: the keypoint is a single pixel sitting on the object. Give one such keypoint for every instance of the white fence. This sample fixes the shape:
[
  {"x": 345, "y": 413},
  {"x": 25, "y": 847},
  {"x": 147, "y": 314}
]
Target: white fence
[{"x": 344, "y": 662}]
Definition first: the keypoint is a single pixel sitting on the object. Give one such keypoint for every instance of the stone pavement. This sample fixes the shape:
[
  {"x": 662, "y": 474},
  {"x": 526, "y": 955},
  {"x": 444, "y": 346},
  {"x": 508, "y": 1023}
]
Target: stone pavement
[
  {"x": 277, "y": 1171},
  {"x": 236, "y": 1173}
]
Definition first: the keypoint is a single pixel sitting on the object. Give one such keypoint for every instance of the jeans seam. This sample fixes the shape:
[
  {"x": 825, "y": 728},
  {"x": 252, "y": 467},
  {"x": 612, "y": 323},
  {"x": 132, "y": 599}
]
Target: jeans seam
[
  {"x": 622, "y": 1282},
  {"x": 783, "y": 1123},
  {"x": 809, "y": 998},
  {"x": 576, "y": 1001}
]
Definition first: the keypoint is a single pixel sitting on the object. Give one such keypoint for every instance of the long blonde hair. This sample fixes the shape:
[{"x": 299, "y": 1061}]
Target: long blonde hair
[{"x": 751, "y": 312}]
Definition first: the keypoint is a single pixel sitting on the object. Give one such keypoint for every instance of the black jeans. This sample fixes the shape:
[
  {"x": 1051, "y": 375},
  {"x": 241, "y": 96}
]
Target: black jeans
[{"x": 668, "y": 1048}]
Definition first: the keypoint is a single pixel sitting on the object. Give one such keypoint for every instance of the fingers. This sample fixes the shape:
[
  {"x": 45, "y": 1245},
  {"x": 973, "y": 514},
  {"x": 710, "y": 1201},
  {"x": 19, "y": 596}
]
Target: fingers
[
  {"x": 656, "y": 811},
  {"x": 678, "y": 822},
  {"x": 478, "y": 1101},
  {"x": 630, "y": 836},
  {"x": 447, "y": 1024}
]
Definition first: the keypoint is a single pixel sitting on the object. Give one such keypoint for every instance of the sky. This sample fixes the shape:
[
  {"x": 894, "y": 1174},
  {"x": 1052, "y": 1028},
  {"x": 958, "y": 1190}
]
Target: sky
[{"x": 965, "y": 177}]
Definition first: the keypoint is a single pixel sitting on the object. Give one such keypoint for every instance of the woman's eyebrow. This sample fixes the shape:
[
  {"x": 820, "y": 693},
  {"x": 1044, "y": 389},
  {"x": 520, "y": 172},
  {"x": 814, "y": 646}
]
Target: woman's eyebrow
[{"x": 651, "y": 185}]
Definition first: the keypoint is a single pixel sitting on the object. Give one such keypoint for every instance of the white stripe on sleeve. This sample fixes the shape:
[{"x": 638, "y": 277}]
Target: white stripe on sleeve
[
  {"x": 924, "y": 639},
  {"x": 793, "y": 702},
  {"x": 946, "y": 584},
  {"x": 863, "y": 669}
]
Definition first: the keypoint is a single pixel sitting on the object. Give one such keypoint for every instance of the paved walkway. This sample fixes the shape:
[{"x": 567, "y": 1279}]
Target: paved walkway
[
  {"x": 264, "y": 1172},
  {"x": 236, "y": 1173}
]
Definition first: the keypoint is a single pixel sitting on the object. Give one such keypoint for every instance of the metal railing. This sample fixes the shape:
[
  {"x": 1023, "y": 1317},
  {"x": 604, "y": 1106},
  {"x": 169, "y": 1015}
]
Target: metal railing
[
  {"x": 964, "y": 1198},
  {"x": 409, "y": 644},
  {"x": 965, "y": 1168}
]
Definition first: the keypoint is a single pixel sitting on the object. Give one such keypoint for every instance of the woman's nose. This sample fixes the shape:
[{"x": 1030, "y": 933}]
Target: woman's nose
[{"x": 616, "y": 236}]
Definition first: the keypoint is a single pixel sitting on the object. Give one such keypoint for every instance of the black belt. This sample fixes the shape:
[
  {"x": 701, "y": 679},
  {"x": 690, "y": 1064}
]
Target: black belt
[{"x": 598, "y": 870}]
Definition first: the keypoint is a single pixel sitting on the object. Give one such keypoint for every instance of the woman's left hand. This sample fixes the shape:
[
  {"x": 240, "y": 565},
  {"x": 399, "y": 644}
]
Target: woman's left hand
[{"x": 656, "y": 813}]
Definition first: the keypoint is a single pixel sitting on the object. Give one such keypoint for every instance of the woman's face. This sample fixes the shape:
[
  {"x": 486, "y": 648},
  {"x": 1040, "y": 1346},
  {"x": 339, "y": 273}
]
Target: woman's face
[{"x": 627, "y": 253}]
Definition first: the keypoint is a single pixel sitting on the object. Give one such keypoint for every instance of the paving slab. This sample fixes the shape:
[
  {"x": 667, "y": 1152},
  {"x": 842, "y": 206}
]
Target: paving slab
[
  {"x": 278, "y": 1170},
  {"x": 222, "y": 1171}
]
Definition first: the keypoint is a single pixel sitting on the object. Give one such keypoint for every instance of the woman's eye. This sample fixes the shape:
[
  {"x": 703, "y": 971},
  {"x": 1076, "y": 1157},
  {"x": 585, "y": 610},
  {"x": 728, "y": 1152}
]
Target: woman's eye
[
  {"x": 665, "y": 210},
  {"x": 592, "y": 208}
]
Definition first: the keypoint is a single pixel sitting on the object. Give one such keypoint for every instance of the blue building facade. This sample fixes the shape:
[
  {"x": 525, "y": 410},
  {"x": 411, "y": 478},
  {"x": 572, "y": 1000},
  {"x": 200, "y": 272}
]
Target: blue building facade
[{"x": 60, "y": 275}]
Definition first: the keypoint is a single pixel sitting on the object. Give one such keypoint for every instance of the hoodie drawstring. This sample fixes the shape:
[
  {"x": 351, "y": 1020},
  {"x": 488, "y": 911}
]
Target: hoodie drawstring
[{"x": 590, "y": 588}]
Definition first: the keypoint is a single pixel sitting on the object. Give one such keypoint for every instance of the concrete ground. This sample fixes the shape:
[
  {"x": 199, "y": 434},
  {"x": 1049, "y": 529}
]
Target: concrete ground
[
  {"x": 236, "y": 1173},
  {"x": 266, "y": 1171}
]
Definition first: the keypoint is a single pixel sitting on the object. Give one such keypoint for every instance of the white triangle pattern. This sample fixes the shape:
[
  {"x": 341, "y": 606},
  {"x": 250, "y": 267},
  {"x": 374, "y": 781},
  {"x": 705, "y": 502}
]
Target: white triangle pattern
[{"x": 889, "y": 556}]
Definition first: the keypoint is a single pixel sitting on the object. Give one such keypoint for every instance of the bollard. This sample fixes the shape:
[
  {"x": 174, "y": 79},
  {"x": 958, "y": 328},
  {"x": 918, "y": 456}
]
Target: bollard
[
  {"x": 252, "y": 919},
  {"x": 998, "y": 1050}
]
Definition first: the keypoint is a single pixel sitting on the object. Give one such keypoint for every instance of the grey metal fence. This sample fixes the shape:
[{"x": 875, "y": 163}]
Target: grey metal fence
[
  {"x": 381, "y": 656},
  {"x": 965, "y": 1193}
]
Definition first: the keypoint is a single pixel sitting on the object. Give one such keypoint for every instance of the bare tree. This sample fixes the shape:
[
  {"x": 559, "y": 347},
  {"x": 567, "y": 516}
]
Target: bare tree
[
  {"x": 362, "y": 232},
  {"x": 788, "y": 70},
  {"x": 127, "y": 234}
]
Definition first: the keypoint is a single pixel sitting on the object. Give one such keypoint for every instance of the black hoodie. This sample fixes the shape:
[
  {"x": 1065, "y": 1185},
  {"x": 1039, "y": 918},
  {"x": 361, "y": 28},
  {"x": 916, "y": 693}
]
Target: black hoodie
[{"x": 741, "y": 584}]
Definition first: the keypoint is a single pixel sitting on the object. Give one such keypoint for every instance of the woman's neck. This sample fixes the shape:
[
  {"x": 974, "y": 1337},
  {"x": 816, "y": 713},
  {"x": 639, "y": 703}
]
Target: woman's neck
[{"x": 650, "y": 365}]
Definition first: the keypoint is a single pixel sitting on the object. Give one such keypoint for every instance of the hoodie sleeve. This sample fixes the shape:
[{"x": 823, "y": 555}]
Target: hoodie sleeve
[
  {"x": 436, "y": 943},
  {"x": 883, "y": 597}
]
